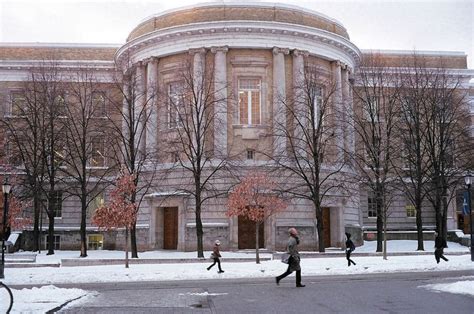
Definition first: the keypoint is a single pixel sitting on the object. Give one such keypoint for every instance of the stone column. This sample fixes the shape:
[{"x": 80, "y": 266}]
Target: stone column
[
  {"x": 126, "y": 104},
  {"x": 348, "y": 126},
  {"x": 138, "y": 109},
  {"x": 279, "y": 101},
  {"x": 300, "y": 112},
  {"x": 198, "y": 87},
  {"x": 337, "y": 98},
  {"x": 220, "y": 108},
  {"x": 152, "y": 110}
]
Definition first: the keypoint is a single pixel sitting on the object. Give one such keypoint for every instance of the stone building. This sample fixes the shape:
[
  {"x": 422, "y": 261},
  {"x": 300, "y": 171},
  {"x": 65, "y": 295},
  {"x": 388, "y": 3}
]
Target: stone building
[{"x": 256, "y": 54}]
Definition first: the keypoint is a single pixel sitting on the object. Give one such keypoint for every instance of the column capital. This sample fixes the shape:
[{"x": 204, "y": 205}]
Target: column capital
[
  {"x": 277, "y": 50},
  {"x": 223, "y": 49},
  {"x": 194, "y": 51},
  {"x": 337, "y": 63},
  {"x": 150, "y": 60},
  {"x": 297, "y": 53}
]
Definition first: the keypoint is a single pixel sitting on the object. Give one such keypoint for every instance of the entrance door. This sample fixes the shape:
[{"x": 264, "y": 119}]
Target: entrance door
[
  {"x": 327, "y": 226},
  {"x": 246, "y": 230},
  {"x": 170, "y": 228}
]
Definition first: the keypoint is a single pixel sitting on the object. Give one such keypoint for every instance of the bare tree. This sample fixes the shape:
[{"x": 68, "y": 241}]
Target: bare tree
[
  {"x": 447, "y": 141},
  {"x": 86, "y": 163},
  {"x": 194, "y": 112},
  {"x": 375, "y": 120},
  {"x": 312, "y": 141},
  {"x": 34, "y": 127},
  {"x": 132, "y": 120}
]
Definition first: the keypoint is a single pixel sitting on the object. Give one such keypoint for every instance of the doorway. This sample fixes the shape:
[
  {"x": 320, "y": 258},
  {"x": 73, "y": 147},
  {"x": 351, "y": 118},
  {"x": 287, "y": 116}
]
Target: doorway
[
  {"x": 246, "y": 234},
  {"x": 327, "y": 226},
  {"x": 170, "y": 228}
]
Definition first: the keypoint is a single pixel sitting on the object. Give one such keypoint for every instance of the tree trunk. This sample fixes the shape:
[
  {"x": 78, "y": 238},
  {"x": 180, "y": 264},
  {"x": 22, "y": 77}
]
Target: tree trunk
[
  {"x": 257, "y": 255},
  {"x": 380, "y": 224},
  {"x": 50, "y": 234},
  {"x": 36, "y": 234},
  {"x": 385, "y": 235},
  {"x": 133, "y": 237},
  {"x": 83, "y": 226},
  {"x": 320, "y": 228},
  {"x": 126, "y": 248},
  {"x": 419, "y": 223},
  {"x": 199, "y": 232}
]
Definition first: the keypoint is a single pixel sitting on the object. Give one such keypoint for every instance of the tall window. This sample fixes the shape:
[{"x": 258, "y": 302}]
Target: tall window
[
  {"x": 317, "y": 105},
  {"x": 95, "y": 203},
  {"x": 97, "y": 152},
  {"x": 60, "y": 102},
  {"x": 250, "y": 101},
  {"x": 98, "y": 104},
  {"x": 175, "y": 104},
  {"x": 56, "y": 241},
  {"x": 410, "y": 208},
  {"x": 18, "y": 102},
  {"x": 371, "y": 109},
  {"x": 56, "y": 198},
  {"x": 371, "y": 205}
]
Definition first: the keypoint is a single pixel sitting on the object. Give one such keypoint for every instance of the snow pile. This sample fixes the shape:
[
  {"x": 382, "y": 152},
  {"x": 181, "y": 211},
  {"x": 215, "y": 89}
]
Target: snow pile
[
  {"x": 41, "y": 300},
  {"x": 460, "y": 287}
]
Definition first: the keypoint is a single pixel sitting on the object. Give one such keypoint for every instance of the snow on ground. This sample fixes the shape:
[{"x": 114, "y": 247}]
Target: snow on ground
[
  {"x": 48, "y": 297},
  {"x": 43, "y": 299},
  {"x": 460, "y": 287}
]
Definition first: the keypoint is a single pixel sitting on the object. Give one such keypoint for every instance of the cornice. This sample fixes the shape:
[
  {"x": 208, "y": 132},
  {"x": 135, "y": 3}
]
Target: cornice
[{"x": 253, "y": 35}]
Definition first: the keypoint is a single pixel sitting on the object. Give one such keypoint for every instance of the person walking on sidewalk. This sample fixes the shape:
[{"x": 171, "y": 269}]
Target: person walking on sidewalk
[
  {"x": 294, "y": 260},
  {"x": 216, "y": 256},
  {"x": 350, "y": 247},
  {"x": 440, "y": 244}
]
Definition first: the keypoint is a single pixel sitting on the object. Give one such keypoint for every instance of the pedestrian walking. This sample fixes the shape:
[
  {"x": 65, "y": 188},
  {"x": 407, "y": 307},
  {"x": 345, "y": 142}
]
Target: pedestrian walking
[
  {"x": 440, "y": 244},
  {"x": 350, "y": 247},
  {"x": 216, "y": 256},
  {"x": 294, "y": 259}
]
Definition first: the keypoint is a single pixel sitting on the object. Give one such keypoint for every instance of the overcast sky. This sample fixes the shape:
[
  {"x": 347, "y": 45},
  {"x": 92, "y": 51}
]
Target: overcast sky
[{"x": 372, "y": 24}]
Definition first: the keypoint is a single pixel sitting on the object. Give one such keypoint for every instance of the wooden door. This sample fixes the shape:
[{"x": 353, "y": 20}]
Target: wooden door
[
  {"x": 327, "y": 227},
  {"x": 170, "y": 228},
  {"x": 246, "y": 234}
]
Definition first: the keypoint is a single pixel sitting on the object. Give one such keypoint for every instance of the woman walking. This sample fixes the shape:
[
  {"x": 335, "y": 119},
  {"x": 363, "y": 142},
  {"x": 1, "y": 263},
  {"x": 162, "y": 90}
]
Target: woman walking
[
  {"x": 294, "y": 260},
  {"x": 350, "y": 247},
  {"x": 215, "y": 256},
  {"x": 440, "y": 244}
]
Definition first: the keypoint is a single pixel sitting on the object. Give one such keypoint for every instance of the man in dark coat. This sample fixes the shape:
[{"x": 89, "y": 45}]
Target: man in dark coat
[
  {"x": 440, "y": 244},
  {"x": 350, "y": 247},
  {"x": 294, "y": 260}
]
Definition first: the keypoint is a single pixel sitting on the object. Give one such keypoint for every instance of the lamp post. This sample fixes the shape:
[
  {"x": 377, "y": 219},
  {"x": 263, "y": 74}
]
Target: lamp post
[
  {"x": 6, "y": 187},
  {"x": 468, "y": 179}
]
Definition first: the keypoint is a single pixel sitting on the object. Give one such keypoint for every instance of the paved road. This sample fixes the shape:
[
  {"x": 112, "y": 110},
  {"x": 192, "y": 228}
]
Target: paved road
[{"x": 377, "y": 293}]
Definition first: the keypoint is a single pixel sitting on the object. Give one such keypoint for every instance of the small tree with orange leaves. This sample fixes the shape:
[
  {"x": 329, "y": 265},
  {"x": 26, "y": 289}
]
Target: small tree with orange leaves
[
  {"x": 254, "y": 198},
  {"x": 120, "y": 213}
]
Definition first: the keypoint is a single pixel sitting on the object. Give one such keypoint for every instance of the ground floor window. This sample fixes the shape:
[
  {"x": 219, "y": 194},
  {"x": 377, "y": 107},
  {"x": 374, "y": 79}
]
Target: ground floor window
[
  {"x": 57, "y": 242},
  {"x": 95, "y": 242}
]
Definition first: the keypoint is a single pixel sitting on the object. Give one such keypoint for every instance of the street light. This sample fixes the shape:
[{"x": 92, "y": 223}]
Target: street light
[
  {"x": 6, "y": 187},
  {"x": 468, "y": 179}
]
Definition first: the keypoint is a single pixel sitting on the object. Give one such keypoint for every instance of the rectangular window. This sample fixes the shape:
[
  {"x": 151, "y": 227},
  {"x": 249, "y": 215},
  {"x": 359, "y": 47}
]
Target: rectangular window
[
  {"x": 317, "y": 105},
  {"x": 95, "y": 203},
  {"x": 250, "y": 154},
  {"x": 250, "y": 101},
  {"x": 18, "y": 104},
  {"x": 98, "y": 104},
  {"x": 57, "y": 242},
  {"x": 56, "y": 198},
  {"x": 411, "y": 211},
  {"x": 371, "y": 205},
  {"x": 97, "y": 152},
  {"x": 60, "y": 103},
  {"x": 371, "y": 109},
  {"x": 175, "y": 105},
  {"x": 95, "y": 242}
]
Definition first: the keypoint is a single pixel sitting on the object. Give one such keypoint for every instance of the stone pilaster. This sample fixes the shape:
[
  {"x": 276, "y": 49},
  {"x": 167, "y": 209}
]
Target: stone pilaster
[
  {"x": 220, "y": 109},
  {"x": 279, "y": 101},
  {"x": 140, "y": 99},
  {"x": 152, "y": 110},
  {"x": 349, "y": 137},
  {"x": 338, "y": 102},
  {"x": 300, "y": 112}
]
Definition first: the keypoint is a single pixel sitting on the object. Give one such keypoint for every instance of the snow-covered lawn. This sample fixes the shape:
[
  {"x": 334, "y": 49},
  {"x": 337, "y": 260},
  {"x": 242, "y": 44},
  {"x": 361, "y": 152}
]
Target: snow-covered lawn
[{"x": 31, "y": 299}]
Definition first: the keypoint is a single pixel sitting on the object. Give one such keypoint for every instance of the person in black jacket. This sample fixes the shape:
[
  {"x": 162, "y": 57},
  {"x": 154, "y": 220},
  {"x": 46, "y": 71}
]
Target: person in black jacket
[
  {"x": 216, "y": 256},
  {"x": 440, "y": 244},
  {"x": 350, "y": 247}
]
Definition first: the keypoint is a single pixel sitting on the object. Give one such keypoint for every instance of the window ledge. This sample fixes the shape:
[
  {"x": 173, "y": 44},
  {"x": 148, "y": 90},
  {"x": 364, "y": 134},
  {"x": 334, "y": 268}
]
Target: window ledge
[
  {"x": 97, "y": 167},
  {"x": 249, "y": 132}
]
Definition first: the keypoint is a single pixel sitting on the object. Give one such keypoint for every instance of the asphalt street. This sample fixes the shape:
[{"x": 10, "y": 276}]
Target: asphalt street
[{"x": 376, "y": 293}]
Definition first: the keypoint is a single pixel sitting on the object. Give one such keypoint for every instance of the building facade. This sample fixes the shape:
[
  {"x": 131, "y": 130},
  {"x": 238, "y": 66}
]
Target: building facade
[{"x": 257, "y": 56}]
